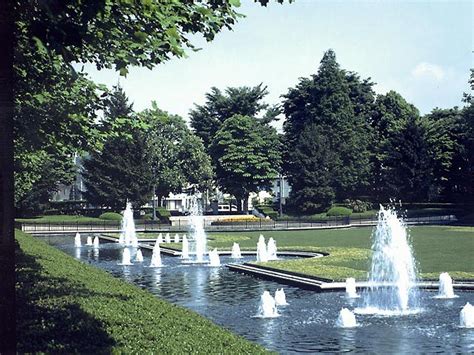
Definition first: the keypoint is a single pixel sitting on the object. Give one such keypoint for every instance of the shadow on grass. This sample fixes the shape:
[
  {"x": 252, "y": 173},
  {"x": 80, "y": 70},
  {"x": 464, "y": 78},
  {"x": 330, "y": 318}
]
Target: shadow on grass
[{"x": 47, "y": 318}]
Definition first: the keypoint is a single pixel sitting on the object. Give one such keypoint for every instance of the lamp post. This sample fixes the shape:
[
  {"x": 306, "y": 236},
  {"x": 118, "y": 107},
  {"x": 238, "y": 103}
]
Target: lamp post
[
  {"x": 280, "y": 202},
  {"x": 153, "y": 195}
]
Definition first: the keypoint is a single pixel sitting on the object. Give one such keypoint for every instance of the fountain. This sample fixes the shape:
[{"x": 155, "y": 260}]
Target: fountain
[
  {"x": 167, "y": 238},
  {"x": 126, "y": 259},
  {"x": 466, "y": 316},
  {"x": 139, "y": 256},
  {"x": 198, "y": 235},
  {"x": 392, "y": 276},
  {"x": 261, "y": 250},
  {"x": 267, "y": 307},
  {"x": 236, "y": 251},
  {"x": 445, "y": 286},
  {"x": 156, "y": 256},
  {"x": 176, "y": 238},
  {"x": 271, "y": 249},
  {"x": 160, "y": 238},
  {"x": 185, "y": 248},
  {"x": 77, "y": 240},
  {"x": 89, "y": 240},
  {"x": 351, "y": 291},
  {"x": 346, "y": 319},
  {"x": 214, "y": 259},
  {"x": 96, "y": 242},
  {"x": 128, "y": 236},
  {"x": 280, "y": 298}
]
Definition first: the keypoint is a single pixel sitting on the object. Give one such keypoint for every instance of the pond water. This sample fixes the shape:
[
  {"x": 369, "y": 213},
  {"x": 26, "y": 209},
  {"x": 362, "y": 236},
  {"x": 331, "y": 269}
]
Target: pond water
[{"x": 307, "y": 324}]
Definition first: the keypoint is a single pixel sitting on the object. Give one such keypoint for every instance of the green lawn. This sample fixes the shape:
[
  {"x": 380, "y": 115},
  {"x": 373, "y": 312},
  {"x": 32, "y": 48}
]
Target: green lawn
[
  {"x": 437, "y": 249},
  {"x": 67, "y": 306},
  {"x": 63, "y": 219}
]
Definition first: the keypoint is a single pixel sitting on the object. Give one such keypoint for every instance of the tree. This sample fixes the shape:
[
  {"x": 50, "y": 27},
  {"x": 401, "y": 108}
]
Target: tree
[
  {"x": 312, "y": 188},
  {"x": 339, "y": 102},
  {"x": 207, "y": 119},
  {"x": 117, "y": 109},
  {"x": 120, "y": 172},
  {"x": 178, "y": 157},
  {"x": 247, "y": 156}
]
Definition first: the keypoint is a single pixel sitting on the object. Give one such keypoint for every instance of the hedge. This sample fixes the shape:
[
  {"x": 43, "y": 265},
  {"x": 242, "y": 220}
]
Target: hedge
[
  {"x": 111, "y": 216},
  {"x": 339, "y": 211}
]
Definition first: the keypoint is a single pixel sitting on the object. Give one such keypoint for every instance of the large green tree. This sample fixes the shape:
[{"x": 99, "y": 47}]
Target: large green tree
[
  {"x": 339, "y": 102},
  {"x": 207, "y": 119},
  {"x": 178, "y": 157},
  {"x": 247, "y": 156}
]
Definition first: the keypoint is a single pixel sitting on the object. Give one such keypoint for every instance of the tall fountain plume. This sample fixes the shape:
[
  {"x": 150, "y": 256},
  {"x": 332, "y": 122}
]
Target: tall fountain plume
[
  {"x": 271, "y": 249},
  {"x": 197, "y": 233},
  {"x": 89, "y": 240},
  {"x": 128, "y": 236},
  {"x": 167, "y": 238},
  {"x": 96, "y": 242},
  {"x": 77, "y": 240},
  {"x": 261, "y": 249},
  {"x": 392, "y": 276},
  {"x": 160, "y": 238},
  {"x": 236, "y": 254},
  {"x": 445, "y": 286},
  {"x": 267, "y": 307},
  {"x": 185, "y": 248},
  {"x": 176, "y": 238}
]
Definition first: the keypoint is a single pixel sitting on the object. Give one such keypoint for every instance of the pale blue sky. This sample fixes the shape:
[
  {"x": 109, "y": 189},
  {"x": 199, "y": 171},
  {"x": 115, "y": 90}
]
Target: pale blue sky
[{"x": 422, "y": 49}]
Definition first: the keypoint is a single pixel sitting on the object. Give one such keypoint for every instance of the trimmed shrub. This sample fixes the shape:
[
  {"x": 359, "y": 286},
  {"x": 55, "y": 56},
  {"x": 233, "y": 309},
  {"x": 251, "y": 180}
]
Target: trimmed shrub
[
  {"x": 163, "y": 214},
  {"x": 111, "y": 216},
  {"x": 267, "y": 211},
  {"x": 339, "y": 211},
  {"x": 357, "y": 206}
]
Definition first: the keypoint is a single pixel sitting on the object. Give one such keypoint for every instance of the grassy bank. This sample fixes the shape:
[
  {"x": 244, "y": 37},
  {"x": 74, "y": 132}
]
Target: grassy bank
[
  {"x": 437, "y": 249},
  {"x": 64, "y": 305}
]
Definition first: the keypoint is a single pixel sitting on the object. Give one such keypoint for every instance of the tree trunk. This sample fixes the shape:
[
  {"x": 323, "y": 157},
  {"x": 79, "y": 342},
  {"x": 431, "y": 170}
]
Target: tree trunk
[
  {"x": 7, "y": 239},
  {"x": 246, "y": 203},
  {"x": 239, "y": 204}
]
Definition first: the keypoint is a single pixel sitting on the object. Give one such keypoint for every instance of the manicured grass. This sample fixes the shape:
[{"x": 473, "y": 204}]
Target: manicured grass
[
  {"x": 67, "y": 306},
  {"x": 437, "y": 249}
]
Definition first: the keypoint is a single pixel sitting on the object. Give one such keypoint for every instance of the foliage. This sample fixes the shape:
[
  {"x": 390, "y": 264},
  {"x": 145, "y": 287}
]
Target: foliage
[
  {"x": 267, "y": 211},
  {"x": 143, "y": 33},
  {"x": 207, "y": 119},
  {"x": 339, "y": 211},
  {"x": 111, "y": 216},
  {"x": 246, "y": 156},
  {"x": 178, "y": 158},
  {"x": 327, "y": 125},
  {"x": 64, "y": 305},
  {"x": 163, "y": 214},
  {"x": 357, "y": 206},
  {"x": 120, "y": 172}
]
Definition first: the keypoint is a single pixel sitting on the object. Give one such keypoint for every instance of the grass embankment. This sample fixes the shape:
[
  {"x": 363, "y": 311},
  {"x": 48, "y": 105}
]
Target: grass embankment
[
  {"x": 64, "y": 305},
  {"x": 437, "y": 249}
]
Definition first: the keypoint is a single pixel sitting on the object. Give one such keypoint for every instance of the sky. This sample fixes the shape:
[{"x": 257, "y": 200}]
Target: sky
[{"x": 421, "y": 49}]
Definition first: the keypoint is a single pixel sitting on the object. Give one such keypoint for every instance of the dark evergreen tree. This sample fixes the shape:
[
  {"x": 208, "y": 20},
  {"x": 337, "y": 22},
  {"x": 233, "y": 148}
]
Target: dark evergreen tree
[
  {"x": 120, "y": 172},
  {"x": 339, "y": 103}
]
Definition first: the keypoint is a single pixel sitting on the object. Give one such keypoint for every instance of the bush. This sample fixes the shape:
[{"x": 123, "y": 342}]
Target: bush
[
  {"x": 163, "y": 214},
  {"x": 111, "y": 216},
  {"x": 267, "y": 211},
  {"x": 339, "y": 211},
  {"x": 147, "y": 217},
  {"x": 357, "y": 206}
]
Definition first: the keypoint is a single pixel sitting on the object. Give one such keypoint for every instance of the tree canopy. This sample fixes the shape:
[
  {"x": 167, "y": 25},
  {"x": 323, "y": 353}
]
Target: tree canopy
[{"x": 246, "y": 154}]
